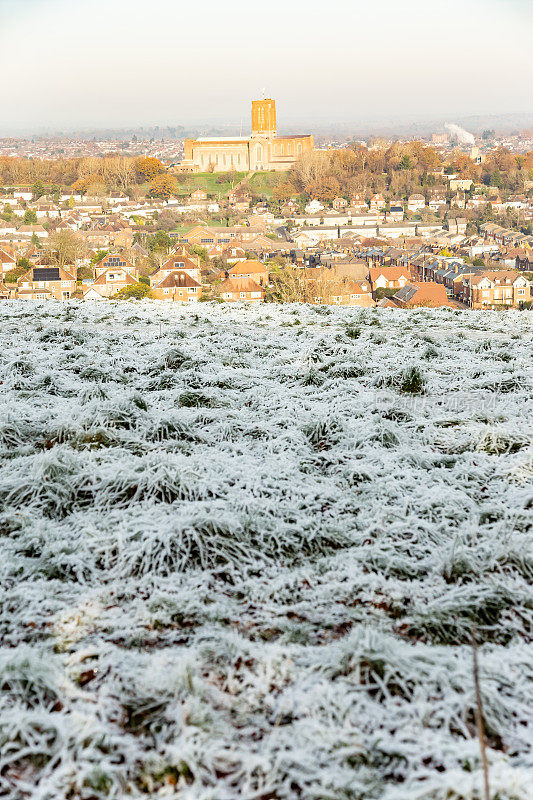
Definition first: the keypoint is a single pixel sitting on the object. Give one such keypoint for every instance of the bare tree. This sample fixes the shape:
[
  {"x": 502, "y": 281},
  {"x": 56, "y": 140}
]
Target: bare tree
[{"x": 66, "y": 248}]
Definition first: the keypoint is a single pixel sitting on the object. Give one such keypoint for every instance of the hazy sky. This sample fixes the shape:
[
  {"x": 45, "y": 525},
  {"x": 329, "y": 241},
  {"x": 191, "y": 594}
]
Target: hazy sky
[{"x": 67, "y": 63}]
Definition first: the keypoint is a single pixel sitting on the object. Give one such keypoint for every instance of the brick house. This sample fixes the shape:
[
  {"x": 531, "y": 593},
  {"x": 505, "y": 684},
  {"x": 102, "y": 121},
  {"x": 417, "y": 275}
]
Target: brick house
[
  {"x": 245, "y": 290},
  {"x": 396, "y": 213},
  {"x": 115, "y": 261},
  {"x": 198, "y": 196},
  {"x": 109, "y": 282},
  {"x": 232, "y": 254},
  {"x": 377, "y": 202},
  {"x": 46, "y": 283},
  {"x": 179, "y": 287},
  {"x": 524, "y": 260},
  {"x": 349, "y": 292},
  {"x": 429, "y": 294},
  {"x": 358, "y": 203},
  {"x": 33, "y": 230},
  {"x": 388, "y": 277},
  {"x": 250, "y": 268},
  {"x": 124, "y": 238},
  {"x": 339, "y": 203},
  {"x": 181, "y": 263},
  {"x": 7, "y": 263},
  {"x": 497, "y": 289}
]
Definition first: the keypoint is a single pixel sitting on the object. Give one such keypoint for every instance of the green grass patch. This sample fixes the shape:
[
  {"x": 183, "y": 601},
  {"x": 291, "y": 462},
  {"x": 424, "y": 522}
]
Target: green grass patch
[
  {"x": 208, "y": 182},
  {"x": 265, "y": 182}
]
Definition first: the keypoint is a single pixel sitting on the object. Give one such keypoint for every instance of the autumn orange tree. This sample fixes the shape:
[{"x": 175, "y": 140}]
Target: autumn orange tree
[
  {"x": 283, "y": 191},
  {"x": 148, "y": 168},
  {"x": 162, "y": 186},
  {"x": 323, "y": 189}
]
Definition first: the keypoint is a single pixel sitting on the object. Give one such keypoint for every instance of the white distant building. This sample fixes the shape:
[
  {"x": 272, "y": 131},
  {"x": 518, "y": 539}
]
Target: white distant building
[
  {"x": 313, "y": 207},
  {"x": 416, "y": 202}
]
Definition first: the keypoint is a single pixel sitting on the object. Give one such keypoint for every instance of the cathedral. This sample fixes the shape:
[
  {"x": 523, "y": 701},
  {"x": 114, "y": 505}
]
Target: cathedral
[{"x": 262, "y": 151}]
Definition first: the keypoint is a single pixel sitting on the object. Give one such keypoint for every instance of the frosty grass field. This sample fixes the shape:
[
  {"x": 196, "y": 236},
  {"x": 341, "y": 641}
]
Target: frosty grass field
[{"x": 243, "y": 550}]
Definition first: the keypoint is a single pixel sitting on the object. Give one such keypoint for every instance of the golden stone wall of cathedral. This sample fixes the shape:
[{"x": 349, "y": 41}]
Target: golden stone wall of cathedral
[{"x": 262, "y": 151}]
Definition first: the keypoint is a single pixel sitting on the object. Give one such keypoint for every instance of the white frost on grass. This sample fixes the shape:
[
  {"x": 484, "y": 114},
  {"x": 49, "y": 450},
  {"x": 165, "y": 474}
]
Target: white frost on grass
[{"x": 244, "y": 558}]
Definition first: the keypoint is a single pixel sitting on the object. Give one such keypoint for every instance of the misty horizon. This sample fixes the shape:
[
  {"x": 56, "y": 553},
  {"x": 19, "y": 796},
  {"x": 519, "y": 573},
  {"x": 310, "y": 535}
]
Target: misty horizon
[
  {"x": 399, "y": 126},
  {"x": 96, "y": 66}
]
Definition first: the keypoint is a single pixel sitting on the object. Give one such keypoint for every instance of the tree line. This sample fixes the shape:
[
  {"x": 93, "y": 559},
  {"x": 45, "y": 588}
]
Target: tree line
[
  {"x": 398, "y": 169},
  {"x": 91, "y": 175}
]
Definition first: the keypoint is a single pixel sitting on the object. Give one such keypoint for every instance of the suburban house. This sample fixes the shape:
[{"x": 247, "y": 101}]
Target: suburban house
[
  {"x": 436, "y": 201},
  {"x": 7, "y": 263},
  {"x": 346, "y": 268},
  {"x": 190, "y": 265},
  {"x": 97, "y": 237},
  {"x": 524, "y": 260},
  {"x": 109, "y": 282},
  {"x": 232, "y": 253},
  {"x": 23, "y": 193},
  {"x": 339, "y": 203},
  {"x": 458, "y": 200},
  {"x": 416, "y": 202},
  {"x": 241, "y": 289},
  {"x": 198, "y": 196},
  {"x": 430, "y": 294},
  {"x": 290, "y": 207},
  {"x": 460, "y": 184},
  {"x": 123, "y": 238},
  {"x": 179, "y": 287},
  {"x": 249, "y": 268},
  {"x": 115, "y": 261},
  {"x": 33, "y": 230},
  {"x": 388, "y": 277},
  {"x": 496, "y": 289},
  {"x": 457, "y": 225},
  {"x": 46, "y": 283},
  {"x": 358, "y": 203},
  {"x": 395, "y": 214},
  {"x": 377, "y": 202},
  {"x": 117, "y": 198},
  {"x": 349, "y": 292}
]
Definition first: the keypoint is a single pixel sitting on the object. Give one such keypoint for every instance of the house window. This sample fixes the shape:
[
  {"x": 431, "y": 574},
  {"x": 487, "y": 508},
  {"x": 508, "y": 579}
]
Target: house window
[
  {"x": 165, "y": 291},
  {"x": 243, "y": 294},
  {"x": 65, "y": 284},
  {"x": 520, "y": 291},
  {"x": 192, "y": 290}
]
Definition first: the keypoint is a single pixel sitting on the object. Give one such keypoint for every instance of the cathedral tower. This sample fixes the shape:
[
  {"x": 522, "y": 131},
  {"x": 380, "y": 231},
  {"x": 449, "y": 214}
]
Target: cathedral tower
[{"x": 263, "y": 117}]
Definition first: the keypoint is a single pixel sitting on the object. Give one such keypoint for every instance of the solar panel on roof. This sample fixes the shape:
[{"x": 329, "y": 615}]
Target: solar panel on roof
[{"x": 46, "y": 274}]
